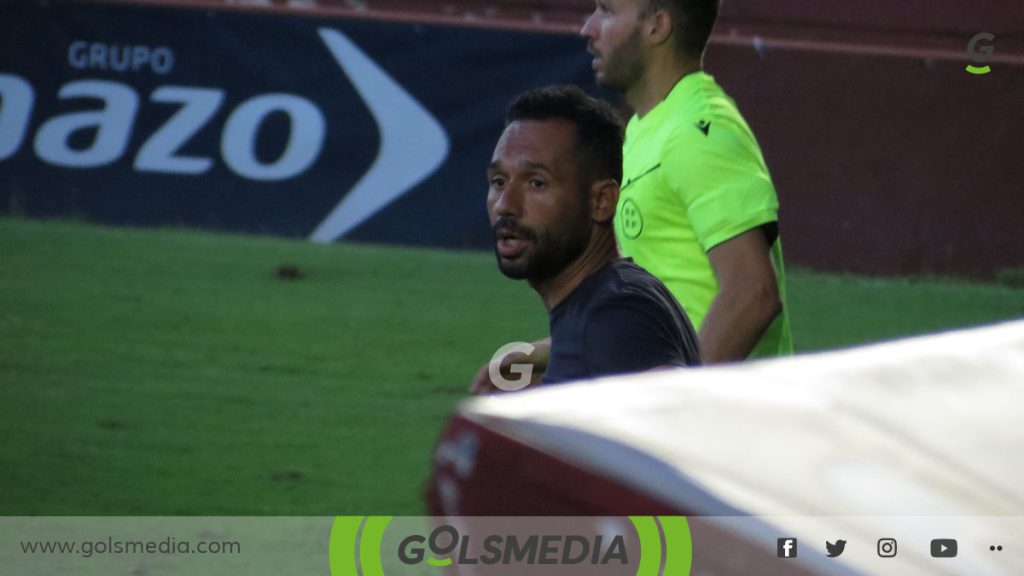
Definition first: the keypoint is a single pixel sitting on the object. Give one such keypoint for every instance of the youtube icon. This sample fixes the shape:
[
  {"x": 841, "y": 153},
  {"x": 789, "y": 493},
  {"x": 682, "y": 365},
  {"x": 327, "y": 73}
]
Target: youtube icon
[{"x": 943, "y": 548}]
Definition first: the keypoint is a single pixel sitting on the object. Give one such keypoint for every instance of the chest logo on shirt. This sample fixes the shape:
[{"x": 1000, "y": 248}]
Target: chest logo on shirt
[
  {"x": 632, "y": 221},
  {"x": 704, "y": 126}
]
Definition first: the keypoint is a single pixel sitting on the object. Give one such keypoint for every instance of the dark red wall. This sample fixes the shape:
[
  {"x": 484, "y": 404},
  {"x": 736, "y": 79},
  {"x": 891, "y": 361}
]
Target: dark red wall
[
  {"x": 886, "y": 164},
  {"x": 889, "y": 157}
]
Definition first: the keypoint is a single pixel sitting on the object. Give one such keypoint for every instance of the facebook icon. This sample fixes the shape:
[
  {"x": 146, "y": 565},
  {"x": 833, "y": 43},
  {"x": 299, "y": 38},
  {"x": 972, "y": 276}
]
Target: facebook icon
[{"x": 787, "y": 547}]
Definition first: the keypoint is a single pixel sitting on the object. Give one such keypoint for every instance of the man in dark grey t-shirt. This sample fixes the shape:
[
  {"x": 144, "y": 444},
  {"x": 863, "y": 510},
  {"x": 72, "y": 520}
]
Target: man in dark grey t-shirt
[
  {"x": 553, "y": 188},
  {"x": 619, "y": 319}
]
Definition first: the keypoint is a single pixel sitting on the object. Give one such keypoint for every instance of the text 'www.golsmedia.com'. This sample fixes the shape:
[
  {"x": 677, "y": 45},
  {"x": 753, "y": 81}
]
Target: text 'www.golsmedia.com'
[{"x": 89, "y": 548}]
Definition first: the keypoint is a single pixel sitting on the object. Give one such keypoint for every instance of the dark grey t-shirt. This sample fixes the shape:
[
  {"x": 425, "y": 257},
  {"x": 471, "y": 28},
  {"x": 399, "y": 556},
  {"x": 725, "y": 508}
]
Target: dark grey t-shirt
[{"x": 619, "y": 319}]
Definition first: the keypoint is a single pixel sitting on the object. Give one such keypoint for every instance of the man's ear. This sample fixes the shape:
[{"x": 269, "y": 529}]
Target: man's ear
[
  {"x": 659, "y": 27},
  {"x": 604, "y": 195}
]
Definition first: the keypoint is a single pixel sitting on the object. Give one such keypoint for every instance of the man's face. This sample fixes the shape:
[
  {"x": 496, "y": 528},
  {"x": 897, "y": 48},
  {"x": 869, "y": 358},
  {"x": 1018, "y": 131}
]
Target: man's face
[
  {"x": 613, "y": 37},
  {"x": 539, "y": 208}
]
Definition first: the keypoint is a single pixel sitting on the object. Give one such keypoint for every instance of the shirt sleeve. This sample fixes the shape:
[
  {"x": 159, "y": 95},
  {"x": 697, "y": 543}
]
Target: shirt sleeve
[
  {"x": 722, "y": 180},
  {"x": 629, "y": 334}
]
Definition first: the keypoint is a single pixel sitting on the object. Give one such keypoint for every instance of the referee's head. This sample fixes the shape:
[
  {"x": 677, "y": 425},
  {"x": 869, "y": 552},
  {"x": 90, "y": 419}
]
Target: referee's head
[{"x": 692, "y": 21}]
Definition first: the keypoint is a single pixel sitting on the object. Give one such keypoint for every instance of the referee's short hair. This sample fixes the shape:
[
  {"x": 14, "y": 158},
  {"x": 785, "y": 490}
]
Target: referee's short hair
[
  {"x": 693, "y": 20},
  {"x": 599, "y": 131}
]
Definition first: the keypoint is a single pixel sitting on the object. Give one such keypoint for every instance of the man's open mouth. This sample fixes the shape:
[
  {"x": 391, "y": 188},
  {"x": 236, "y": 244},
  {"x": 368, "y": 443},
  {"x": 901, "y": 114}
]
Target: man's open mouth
[{"x": 509, "y": 244}]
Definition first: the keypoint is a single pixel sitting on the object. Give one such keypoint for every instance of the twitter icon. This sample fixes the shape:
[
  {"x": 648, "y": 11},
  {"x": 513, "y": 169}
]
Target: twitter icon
[{"x": 835, "y": 549}]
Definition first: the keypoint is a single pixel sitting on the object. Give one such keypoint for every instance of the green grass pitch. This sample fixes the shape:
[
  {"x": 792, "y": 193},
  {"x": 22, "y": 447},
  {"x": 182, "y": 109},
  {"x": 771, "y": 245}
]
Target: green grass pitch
[{"x": 171, "y": 372}]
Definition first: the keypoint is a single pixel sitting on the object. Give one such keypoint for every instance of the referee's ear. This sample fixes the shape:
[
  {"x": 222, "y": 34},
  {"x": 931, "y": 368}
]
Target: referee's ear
[
  {"x": 660, "y": 27},
  {"x": 604, "y": 196}
]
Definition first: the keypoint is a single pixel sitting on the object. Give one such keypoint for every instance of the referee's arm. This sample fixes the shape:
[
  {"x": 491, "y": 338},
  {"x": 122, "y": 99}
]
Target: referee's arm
[{"x": 747, "y": 301}]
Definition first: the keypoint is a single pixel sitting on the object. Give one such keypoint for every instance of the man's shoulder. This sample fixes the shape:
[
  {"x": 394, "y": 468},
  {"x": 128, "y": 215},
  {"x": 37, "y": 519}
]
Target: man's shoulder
[
  {"x": 703, "y": 106},
  {"x": 623, "y": 281},
  {"x": 698, "y": 94},
  {"x": 708, "y": 126},
  {"x": 638, "y": 312},
  {"x": 617, "y": 280},
  {"x": 718, "y": 132},
  {"x": 622, "y": 273}
]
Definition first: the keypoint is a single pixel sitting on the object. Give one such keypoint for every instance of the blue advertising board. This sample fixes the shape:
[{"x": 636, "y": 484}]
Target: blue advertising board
[{"x": 265, "y": 123}]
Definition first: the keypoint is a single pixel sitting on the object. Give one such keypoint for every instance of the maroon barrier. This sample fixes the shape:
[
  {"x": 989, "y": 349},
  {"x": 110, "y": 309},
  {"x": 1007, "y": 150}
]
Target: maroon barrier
[{"x": 480, "y": 472}]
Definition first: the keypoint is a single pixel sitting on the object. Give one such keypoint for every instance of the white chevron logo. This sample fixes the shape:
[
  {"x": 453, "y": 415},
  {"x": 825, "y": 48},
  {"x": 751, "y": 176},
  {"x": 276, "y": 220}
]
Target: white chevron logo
[{"x": 413, "y": 144}]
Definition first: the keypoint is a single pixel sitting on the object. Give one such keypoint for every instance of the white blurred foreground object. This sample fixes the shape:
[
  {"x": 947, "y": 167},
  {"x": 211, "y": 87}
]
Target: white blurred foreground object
[{"x": 915, "y": 436}]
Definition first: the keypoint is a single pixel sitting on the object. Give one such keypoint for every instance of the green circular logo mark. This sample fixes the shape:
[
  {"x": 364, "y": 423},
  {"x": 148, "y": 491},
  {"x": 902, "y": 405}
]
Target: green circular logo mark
[{"x": 632, "y": 219}]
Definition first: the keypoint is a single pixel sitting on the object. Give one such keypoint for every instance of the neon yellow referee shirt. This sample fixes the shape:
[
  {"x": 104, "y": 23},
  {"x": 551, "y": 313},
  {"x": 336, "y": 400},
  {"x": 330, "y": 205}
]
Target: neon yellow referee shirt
[{"x": 694, "y": 177}]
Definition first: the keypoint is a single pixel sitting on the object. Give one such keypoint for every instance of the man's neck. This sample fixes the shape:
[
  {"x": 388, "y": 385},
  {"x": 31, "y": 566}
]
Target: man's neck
[
  {"x": 657, "y": 83},
  {"x": 601, "y": 251}
]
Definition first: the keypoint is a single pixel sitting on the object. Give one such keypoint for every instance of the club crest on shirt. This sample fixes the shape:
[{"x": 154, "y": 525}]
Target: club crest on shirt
[{"x": 630, "y": 218}]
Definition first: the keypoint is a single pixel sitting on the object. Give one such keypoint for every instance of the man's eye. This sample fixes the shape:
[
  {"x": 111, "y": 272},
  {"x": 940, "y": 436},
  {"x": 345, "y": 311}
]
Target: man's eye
[
  {"x": 537, "y": 183},
  {"x": 497, "y": 182}
]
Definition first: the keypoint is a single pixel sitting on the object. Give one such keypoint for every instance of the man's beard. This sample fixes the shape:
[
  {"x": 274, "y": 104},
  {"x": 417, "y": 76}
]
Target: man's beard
[
  {"x": 623, "y": 68},
  {"x": 552, "y": 250}
]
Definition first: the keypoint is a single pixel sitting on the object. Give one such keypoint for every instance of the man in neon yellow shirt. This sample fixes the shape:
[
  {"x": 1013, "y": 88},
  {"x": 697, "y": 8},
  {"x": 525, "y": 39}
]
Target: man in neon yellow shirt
[{"x": 697, "y": 208}]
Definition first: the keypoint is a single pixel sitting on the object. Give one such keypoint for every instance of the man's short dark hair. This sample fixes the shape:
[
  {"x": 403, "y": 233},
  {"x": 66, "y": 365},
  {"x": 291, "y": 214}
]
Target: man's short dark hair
[
  {"x": 598, "y": 128},
  {"x": 694, "y": 19}
]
